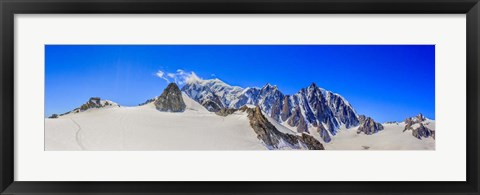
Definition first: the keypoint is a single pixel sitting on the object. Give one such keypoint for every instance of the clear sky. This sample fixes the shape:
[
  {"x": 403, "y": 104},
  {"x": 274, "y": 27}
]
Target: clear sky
[{"x": 386, "y": 82}]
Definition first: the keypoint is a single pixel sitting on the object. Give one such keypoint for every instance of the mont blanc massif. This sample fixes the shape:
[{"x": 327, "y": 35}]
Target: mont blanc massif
[{"x": 212, "y": 115}]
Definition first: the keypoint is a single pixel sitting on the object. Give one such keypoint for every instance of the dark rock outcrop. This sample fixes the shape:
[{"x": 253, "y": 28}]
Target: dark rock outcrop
[
  {"x": 171, "y": 100},
  {"x": 267, "y": 132},
  {"x": 285, "y": 109},
  {"x": 302, "y": 125},
  {"x": 419, "y": 131},
  {"x": 368, "y": 125},
  {"x": 148, "y": 101},
  {"x": 53, "y": 116},
  {"x": 93, "y": 102},
  {"x": 270, "y": 135},
  {"x": 422, "y": 131},
  {"x": 211, "y": 106},
  {"x": 295, "y": 117},
  {"x": 225, "y": 111},
  {"x": 310, "y": 142},
  {"x": 420, "y": 118},
  {"x": 324, "y": 134}
]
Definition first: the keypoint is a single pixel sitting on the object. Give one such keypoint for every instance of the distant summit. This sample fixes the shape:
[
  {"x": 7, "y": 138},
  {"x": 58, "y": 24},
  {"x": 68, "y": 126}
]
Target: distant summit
[{"x": 92, "y": 103}]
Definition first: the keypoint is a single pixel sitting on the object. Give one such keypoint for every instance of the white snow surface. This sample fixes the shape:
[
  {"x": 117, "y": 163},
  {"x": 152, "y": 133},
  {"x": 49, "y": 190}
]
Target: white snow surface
[
  {"x": 145, "y": 128},
  {"x": 391, "y": 138}
]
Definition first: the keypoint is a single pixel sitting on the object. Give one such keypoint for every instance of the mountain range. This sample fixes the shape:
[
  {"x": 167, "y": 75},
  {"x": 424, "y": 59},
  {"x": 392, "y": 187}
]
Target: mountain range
[
  {"x": 308, "y": 119},
  {"x": 310, "y": 109}
]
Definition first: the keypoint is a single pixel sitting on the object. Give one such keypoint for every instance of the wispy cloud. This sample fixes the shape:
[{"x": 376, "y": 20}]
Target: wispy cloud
[
  {"x": 161, "y": 74},
  {"x": 180, "y": 77}
]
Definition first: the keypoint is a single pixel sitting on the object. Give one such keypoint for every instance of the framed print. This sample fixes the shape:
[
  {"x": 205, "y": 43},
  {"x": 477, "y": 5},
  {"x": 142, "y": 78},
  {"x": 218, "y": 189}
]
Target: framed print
[{"x": 247, "y": 97}]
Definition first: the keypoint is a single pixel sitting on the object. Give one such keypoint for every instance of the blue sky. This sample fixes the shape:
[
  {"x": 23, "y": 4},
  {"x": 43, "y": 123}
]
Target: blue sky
[{"x": 386, "y": 82}]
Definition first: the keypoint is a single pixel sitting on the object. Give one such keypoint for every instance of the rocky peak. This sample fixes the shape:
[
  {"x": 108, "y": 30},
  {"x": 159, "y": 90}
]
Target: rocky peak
[
  {"x": 315, "y": 89},
  {"x": 96, "y": 102},
  {"x": 368, "y": 125},
  {"x": 268, "y": 88},
  {"x": 93, "y": 102},
  {"x": 417, "y": 125},
  {"x": 170, "y": 100},
  {"x": 420, "y": 118},
  {"x": 416, "y": 119}
]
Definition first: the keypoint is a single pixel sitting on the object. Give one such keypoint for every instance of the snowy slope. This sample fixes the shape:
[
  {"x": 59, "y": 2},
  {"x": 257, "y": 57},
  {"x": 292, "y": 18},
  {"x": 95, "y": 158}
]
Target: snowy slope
[
  {"x": 391, "y": 138},
  {"x": 145, "y": 128}
]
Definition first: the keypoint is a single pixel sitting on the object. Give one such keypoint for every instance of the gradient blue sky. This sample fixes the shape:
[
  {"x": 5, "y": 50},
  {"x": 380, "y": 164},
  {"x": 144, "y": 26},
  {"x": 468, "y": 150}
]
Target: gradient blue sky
[{"x": 386, "y": 82}]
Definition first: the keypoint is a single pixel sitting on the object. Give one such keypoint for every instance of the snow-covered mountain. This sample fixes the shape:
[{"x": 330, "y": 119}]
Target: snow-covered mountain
[
  {"x": 246, "y": 119},
  {"x": 310, "y": 109}
]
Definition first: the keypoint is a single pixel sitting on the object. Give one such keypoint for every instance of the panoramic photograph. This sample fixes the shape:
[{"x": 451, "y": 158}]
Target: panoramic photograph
[{"x": 239, "y": 97}]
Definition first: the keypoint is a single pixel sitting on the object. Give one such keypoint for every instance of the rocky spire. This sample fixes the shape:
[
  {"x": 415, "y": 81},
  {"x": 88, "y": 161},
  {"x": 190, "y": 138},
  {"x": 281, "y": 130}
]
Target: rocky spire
[
  {"x": 171, "y": 100},
  {"x": 368, "y": 125}
]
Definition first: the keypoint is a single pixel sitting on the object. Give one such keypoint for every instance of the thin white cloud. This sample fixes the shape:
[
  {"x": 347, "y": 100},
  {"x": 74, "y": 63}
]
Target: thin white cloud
[
  {"x": 161, "y": 74},
  {"x": 180, "y": 77}
]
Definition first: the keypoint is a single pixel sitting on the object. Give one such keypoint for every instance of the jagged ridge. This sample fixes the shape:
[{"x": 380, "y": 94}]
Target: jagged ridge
[
  {"x": 93, "y": 102},
  {"x": 311, "y": 108}
]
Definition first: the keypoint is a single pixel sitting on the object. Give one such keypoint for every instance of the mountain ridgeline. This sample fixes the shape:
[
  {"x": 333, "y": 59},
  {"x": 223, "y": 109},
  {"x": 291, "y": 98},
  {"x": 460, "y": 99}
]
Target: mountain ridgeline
[
  {"x": 280, "y": 121},
  {"x": 310, "y": 109}
]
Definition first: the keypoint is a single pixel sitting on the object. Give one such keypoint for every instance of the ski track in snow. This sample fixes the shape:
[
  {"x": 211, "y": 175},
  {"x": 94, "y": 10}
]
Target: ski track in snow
[{"x": 77, "y": 135}]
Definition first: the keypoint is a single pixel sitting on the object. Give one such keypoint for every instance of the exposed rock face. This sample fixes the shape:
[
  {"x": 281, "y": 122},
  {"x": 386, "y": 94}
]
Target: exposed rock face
[
  {"x": 324, "y": 134},
  {"x": 295, "y": 117},
  {"x": 420, "y": 118},
  {"x": 93, "y": 102},
  {"x": 212, "y": 106},
  {"x": 286, "y": 111},
  {"x": 422, "y": 131},
  {"x": 310, "y": 142},
  {"x": 302, "y": 125},
  {"x": 148, "y": 101},
  {"x": 225, "y": 111},
  {"x": 270, "y": 135},
  {"x": 417, "y": 126},
  {"x": 53, "y": 116},
  {"x": 171, "y": 100},
  {"x": 297, "y": 120},
  {"x": 368, "y": 125},
  {"x": 343, "y": 112}
]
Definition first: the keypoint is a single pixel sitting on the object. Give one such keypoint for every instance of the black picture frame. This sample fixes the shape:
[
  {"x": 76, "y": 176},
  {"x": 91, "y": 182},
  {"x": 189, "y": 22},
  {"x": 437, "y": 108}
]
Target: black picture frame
[{"x": 11, "y": 7}]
